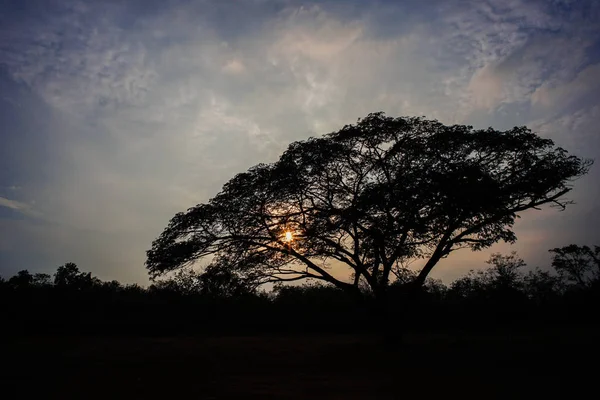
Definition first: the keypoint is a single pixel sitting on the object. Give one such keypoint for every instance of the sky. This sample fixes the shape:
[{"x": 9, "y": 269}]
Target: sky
[{"x": 115, "y": 115}]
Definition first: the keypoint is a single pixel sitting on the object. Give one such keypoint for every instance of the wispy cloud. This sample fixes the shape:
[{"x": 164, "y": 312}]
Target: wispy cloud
[
  {"x": 14, "y": 205},
  {"x": 20, "y": 207}
]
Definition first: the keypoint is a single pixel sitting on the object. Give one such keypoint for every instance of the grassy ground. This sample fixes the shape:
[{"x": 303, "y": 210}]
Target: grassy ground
[{"x": 549, "y": 364}]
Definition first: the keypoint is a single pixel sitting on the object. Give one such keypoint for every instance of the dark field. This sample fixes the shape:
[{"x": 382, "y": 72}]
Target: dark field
[{"x": 556, "y": 363}]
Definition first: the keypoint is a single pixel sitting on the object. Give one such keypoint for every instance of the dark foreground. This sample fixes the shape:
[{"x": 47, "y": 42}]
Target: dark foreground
[{"x": 556, "y": 363}]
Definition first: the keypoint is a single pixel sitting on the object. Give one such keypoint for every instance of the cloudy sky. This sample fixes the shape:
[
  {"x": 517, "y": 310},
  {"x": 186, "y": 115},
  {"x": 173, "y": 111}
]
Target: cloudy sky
[{"x": 115, "y": 115}]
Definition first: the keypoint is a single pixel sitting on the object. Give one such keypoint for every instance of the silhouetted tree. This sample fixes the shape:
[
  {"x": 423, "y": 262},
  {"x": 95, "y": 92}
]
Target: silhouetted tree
[
  {"x": 436, "y": 288},
  {"x": 503, "y": 279},
  {"x": 112, "y": 286},
  {"x": 21, "y": 280},
  {"x": 25, "y": 279},
  {"x": 185, "y": 282},
  {"x": 340, "y": 197},
  {"x": 382, "y": 190},
  {"x": 506, "y": 271},
  {"x": 41, "y": 279},
  {"x": 217, "y": 281},
  {"x": 213, "y": 282},
  {"x": 543, "y": 287},
  {"x": 66, "y": 275},
  {"x": 578, "y": 265},
  {"x": 404, "y": 276},
  {"x": 69, "y": 276}
]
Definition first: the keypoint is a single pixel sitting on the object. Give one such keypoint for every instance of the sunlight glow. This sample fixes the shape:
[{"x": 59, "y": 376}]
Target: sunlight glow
[{"x": 289, "y": 236}]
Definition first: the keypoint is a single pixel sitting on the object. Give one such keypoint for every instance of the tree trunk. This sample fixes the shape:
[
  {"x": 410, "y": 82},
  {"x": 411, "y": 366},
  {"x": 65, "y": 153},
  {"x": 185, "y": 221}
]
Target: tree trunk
[
  {"x": 435, "y": 258},
  {"x": 388, "y": 331}
]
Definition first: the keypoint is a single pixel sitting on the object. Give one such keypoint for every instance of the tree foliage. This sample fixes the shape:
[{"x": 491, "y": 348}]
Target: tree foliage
[
  {"x": 577, "y": 264},
  {"x": 502, "y": 279},
  {"x": 24, "y": 279},
  {"x": 370, "y": 196},
  {"x": 68, "y": 276},
  {"x": 213, "y": 282}
]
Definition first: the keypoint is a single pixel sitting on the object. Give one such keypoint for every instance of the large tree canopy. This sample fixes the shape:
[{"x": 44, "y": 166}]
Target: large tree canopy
[{"x": 371, "y": 197}]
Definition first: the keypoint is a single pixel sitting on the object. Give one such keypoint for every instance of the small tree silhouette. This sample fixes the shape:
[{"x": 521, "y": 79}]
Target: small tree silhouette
[
  {"x": 21, "y": 280},
  {"x": 69, "y": 276},
  {"x": 578, "y": 265}
]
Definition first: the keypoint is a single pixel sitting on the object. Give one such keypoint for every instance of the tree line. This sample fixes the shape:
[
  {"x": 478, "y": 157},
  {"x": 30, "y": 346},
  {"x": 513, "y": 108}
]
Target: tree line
[
  {"x": 505, "y": 294},
  {"x": 372, "y": 197}
]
